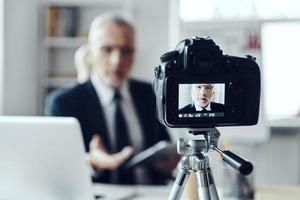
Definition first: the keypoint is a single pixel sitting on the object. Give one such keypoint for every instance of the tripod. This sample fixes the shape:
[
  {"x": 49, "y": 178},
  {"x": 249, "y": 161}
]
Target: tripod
[{"x": 195, "y": 160}]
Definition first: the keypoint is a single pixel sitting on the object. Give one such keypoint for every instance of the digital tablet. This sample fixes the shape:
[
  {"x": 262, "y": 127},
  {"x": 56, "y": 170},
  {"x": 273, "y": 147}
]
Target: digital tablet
[{"x": 160, "y": 150}]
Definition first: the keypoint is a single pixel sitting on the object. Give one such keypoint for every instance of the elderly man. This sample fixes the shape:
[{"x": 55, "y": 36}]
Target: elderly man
[
  {"x": 202, "y": 95},
  {"x": 117, "y": 114}
]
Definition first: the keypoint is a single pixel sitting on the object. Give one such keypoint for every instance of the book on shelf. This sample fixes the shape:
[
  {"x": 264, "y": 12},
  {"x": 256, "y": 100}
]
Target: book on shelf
[
  {"x": 61, "y": 21},
  {"x": 51, "y": 21}
]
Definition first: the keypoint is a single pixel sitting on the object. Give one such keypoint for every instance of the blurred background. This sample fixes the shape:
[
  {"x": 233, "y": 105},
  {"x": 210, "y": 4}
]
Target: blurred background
[{"x": 38, "y": 39}]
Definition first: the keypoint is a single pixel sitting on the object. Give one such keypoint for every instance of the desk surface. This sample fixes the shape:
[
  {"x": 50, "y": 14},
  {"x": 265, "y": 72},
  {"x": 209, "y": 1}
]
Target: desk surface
[
  {"x": 116, "y": 192},
  {"x": 278, "y": 193}
]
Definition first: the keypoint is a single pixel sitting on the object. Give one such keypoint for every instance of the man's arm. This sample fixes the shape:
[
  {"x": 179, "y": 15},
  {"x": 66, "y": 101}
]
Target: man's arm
[
  {"x": 52, "y": 106},
  {"x": 61, "y": 103},
  {"x": 100, "y": 159}
]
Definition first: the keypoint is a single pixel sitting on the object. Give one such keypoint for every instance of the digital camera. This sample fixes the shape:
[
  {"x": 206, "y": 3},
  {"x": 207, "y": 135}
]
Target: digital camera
[{"x": 196, "y": 86}]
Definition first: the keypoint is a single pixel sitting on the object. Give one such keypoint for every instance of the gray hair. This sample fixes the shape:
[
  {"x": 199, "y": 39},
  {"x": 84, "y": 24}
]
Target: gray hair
[
  {"x": 110, "y": 18},
  {"x": 211, "y": 86}
]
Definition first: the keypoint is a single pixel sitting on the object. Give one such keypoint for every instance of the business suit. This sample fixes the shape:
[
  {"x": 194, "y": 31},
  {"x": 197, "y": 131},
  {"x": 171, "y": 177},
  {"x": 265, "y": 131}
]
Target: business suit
[
  {"x": 215, "y": 107},
  {"x": 81, "y": 101}
]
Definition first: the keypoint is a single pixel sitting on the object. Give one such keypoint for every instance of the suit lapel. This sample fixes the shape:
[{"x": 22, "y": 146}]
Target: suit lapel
[
  {"x": 139, "y": 104},
  {"x": 193, "y": 108}
]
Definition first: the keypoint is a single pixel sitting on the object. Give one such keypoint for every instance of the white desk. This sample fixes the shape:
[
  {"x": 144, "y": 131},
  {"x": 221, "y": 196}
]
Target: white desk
[
  {"x": 120, "y": 192},
  {"x": 117, "y": 192},
  {"x": 278, "y": 193}
]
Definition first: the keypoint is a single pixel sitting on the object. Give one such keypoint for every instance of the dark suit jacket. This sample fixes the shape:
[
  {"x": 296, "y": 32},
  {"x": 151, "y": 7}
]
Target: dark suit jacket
[
  {"x": 215, "y": 107},
  {"x": 81, "y": 101}
]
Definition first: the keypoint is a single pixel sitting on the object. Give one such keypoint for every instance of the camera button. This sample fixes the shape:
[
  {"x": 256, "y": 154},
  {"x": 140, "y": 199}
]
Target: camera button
[{"x": 251, "y": 57}]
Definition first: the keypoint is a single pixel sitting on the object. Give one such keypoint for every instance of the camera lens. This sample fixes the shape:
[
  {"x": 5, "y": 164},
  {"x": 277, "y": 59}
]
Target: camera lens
[{"x": 202, "y": 61}]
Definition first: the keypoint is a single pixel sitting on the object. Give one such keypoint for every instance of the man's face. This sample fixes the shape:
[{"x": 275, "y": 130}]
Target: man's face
[
  {"x": 112, "y": 49},
  {"x": 202, "y": 94}
]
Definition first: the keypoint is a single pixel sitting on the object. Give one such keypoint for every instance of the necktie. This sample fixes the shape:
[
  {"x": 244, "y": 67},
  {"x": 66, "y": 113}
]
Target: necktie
[
  {"x": 121, "y": 130},
  {"x": 122, "y": 139}
]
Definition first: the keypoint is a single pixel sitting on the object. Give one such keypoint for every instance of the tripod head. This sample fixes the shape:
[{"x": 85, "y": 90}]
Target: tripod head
[
  {"x": 210, "y": 142},
  {"x": 195, "y": 160}
]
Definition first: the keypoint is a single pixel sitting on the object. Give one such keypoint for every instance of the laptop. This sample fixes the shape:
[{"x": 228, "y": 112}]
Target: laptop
[{"x": 43, "y": 158}]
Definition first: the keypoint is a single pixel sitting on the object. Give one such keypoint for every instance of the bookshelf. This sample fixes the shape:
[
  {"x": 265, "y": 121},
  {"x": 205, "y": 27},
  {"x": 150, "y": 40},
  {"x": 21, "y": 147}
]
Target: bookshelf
[
  {"x": 64, "y": 26},
  {"x": 64, "y": 42}
]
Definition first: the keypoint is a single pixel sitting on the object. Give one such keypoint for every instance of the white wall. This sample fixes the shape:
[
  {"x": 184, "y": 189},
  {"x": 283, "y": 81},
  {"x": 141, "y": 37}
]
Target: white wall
[
  {"x": 151, "y": 21},
  {"x": 20, "y": 57},
  {"x": 1, "y": 54}
]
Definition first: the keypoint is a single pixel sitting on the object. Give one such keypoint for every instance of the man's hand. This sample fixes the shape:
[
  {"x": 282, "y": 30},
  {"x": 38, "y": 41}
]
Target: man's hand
[{"x": 100, "y": 159}]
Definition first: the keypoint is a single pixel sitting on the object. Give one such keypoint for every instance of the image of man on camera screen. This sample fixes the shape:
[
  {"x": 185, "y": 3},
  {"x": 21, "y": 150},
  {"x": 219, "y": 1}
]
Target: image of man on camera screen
[{"x": 203, "y": 98}]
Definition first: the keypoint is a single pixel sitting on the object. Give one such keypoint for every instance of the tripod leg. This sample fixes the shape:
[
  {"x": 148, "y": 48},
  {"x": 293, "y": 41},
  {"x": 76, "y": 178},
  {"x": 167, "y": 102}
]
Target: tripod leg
[
  {"x": 212, "y": 186},
  {"x": 179, "y": 184},
  {"x": 203, "y": 189}
]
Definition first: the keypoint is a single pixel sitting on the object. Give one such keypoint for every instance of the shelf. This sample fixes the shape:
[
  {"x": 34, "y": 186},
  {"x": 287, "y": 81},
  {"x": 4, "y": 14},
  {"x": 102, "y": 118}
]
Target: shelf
[
  {"x": 65, "y": 42},
  {"x": 56, "y": 82},
  {"x": 88, "y": 2}
]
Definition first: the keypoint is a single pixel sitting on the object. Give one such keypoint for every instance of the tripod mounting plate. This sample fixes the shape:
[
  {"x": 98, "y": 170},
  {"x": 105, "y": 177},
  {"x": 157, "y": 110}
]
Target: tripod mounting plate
[{"x": 193, "y": 147}]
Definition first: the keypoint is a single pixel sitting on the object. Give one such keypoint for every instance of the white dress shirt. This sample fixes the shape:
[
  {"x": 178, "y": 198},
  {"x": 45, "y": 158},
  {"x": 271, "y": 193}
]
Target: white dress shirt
[
  {"x": 105, "y": 94},
  {"x": 199, "y": 108}
]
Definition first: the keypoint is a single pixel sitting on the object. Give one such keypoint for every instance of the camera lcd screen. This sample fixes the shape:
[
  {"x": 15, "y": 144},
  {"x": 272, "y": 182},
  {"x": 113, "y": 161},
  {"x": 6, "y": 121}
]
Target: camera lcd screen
[{"x": 201, "y": 100}]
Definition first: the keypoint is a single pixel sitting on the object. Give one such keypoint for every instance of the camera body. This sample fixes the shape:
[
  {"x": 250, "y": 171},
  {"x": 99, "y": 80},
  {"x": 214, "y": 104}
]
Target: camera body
[{"x": 196, "y": 86}]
